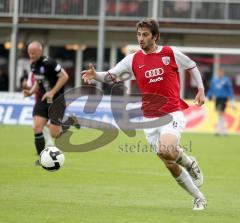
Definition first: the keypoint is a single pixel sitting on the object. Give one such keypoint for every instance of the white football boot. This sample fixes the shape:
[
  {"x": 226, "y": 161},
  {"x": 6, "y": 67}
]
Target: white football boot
[
  {"x": 199, "y": 204},
  {"x": 195, "y": 172}
]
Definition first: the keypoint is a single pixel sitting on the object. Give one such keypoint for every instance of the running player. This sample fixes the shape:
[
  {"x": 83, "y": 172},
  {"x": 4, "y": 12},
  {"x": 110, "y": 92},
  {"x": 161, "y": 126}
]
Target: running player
[
  {"x": 156, "y": 70},
  {"x": 50, "y": 79}
]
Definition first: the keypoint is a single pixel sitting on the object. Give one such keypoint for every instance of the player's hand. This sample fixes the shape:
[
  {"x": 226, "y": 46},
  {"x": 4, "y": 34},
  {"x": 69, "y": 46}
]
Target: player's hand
[
  {"x": 27, "y": 93},
  {"x": 88, "y": 75},
  {"x": 48, "y": 96},
  {"x": 200, "y": 98}
]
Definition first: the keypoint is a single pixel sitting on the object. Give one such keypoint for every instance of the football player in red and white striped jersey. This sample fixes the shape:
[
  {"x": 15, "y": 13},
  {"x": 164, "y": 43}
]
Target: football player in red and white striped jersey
[{"x": 156, "y": 70}]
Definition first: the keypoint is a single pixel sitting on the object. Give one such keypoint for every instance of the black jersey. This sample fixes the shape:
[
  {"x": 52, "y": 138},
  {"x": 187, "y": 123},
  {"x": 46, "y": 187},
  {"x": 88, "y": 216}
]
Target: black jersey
[{"x": 46, "y": 72}]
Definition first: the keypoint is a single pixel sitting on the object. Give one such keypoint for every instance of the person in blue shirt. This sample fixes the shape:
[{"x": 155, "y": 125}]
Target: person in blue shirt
[{"x": 221, "y": 91}]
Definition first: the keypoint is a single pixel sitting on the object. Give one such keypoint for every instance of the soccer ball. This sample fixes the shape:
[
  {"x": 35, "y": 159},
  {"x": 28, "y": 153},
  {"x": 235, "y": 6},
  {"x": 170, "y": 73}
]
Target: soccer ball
[{"x": 51, "y": 158}]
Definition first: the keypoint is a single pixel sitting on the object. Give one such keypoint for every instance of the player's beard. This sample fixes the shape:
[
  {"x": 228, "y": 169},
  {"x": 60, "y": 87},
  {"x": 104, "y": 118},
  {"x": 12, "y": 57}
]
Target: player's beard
[
  {"x": 147, "y": 46},
  {"x": 144, "y": 46}
]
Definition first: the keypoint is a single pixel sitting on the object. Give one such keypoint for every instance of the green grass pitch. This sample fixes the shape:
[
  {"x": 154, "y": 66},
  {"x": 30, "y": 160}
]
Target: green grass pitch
[{"x": 112, "y": 184}]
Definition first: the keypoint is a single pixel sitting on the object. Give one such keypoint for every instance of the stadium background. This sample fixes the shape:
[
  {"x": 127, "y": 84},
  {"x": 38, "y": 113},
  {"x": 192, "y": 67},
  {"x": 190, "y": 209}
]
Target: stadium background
[
  {"x": 77, "y": 32},
  {"x": 111, "y": 184}
]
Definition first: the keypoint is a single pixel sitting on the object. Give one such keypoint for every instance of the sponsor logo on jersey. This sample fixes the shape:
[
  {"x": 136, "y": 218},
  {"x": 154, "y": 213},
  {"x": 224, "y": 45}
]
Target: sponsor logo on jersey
[
  {"x": 42, "y": 70},
  {"x": 166, "y": 60},
  {"x": 154, "y": 75},
  {"x": 155, "y": 80}
]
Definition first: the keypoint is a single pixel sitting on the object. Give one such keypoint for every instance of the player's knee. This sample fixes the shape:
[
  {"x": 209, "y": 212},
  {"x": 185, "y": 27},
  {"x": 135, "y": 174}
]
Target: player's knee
[
  {"x": 37, "y": 128},
  {"x": 55, "y": 134},
  {"x": 55, "y": 131},
  {"x": 169, "y": 163},
  {"x": 166, "y": 152}
]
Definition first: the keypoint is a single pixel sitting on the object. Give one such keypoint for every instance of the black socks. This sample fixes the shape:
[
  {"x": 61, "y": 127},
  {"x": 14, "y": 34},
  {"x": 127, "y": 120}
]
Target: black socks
[{"x": 39, "y": 142}]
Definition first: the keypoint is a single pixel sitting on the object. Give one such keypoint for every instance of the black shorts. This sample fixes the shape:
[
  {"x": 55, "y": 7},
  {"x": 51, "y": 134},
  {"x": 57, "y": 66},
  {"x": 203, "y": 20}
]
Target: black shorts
[
  {"x": 221, "y": 104},
  {"x": 42, "y": 109}
]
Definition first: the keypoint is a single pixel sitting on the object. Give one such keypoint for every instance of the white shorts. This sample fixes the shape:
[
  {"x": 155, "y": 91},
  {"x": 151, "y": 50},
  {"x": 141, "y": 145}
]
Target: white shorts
[{"x": 175, "y": 127}]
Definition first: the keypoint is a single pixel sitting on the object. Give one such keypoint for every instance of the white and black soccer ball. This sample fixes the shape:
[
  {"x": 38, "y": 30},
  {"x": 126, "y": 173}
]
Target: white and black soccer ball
[{"x": 51, "y": 158}]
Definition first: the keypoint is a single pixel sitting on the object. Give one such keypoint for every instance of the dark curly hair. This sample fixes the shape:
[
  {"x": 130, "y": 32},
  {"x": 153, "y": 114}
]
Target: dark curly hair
[{"x": 151, "y": 24}]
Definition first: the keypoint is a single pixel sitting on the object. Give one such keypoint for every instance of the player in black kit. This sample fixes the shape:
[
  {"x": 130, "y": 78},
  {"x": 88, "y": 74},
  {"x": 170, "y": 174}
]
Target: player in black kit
[{"x": 50, "y": 79}]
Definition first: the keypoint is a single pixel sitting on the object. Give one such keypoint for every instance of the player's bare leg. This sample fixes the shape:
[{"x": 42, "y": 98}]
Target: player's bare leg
[
  {"x": 191, "y": 165},
  {"x": 55, "y": 130},
  {"x": 168, "y": 152}
]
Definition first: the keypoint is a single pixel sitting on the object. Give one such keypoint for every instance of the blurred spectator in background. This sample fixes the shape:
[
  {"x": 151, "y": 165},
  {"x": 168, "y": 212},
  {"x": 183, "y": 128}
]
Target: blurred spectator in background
[
  {"x": 37, "y": 6},
  {"x": 69, "y": 7},
  {"x": 209, "y": 10},
  {"x": 221, "y": 91},
  {"x": 182, "y": 9},
  {"x": 177, "y": 9},
  {"x": 126, "y": 8}
]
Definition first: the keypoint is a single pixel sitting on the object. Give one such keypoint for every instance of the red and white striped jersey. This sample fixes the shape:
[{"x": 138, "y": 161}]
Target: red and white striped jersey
[{"x": 157, "y": 76}]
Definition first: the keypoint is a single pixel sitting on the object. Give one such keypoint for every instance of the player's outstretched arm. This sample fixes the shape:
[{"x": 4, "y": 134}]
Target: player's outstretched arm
[
  {"x": 200, "y": 97},
  {"x": 111, "y": 76},
  {"x": 88, "y": 75}
]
